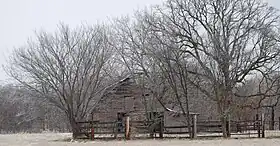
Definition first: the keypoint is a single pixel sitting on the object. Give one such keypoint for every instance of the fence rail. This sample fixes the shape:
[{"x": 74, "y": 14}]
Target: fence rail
[{"x": 115, "y": 129}]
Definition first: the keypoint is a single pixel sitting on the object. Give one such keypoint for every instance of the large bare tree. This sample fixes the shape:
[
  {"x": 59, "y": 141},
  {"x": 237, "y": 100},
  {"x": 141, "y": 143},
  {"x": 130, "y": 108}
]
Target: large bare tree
[
  {"x": 230, "y": 41},
  {"x": 66, "y": 68}
]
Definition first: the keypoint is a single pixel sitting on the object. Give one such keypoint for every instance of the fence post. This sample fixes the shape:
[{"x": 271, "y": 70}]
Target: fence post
[
  {"x": 228, "y": 126},
  {"x": 258, "y": 125},
  {"x": 115, "y": 129},
  {"x": 92, "y": 133},
  {"x": 194, "y": 122},
  {"x": 263, "y": 126},
  {"x": 91, "y": 130},
  {"x": 279, "y": 123},
  {"x": 161, "y": 128},
  {"x": 127, "y": 128}
]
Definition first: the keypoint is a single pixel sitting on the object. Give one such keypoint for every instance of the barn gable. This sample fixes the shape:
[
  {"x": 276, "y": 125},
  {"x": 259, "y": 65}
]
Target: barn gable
[{"x": 125, "y": 96}]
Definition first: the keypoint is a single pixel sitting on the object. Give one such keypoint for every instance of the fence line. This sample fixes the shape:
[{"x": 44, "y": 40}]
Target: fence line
[{"x": 115, "y": 129}]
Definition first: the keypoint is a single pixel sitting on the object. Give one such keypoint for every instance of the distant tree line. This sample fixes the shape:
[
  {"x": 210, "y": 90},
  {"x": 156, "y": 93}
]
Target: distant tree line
[{"x": 21, "y": 111}]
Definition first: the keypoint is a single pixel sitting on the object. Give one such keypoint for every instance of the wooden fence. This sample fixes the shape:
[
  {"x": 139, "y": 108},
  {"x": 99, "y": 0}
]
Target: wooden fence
[
  {"x": 157, "y": 129},
  {"x": 273, "y": 125},
  {"x": 115, "y": 129}
]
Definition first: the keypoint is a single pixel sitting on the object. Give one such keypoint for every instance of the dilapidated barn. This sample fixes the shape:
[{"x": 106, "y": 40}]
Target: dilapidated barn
[
  {"x": 124, "y": 98},
  {"x": 128, "y": 98}
]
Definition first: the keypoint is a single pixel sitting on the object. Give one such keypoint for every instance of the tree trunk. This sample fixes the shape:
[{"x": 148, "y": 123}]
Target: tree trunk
[
  {"x": 188, "y": 118},
  {"x": 75, "y": 127},
  {"x": 224, "y": 127},
  {"x": 224, "y": 96},
  {"x": 223, "y": 120},
  {"x": 272, "y": 118}
]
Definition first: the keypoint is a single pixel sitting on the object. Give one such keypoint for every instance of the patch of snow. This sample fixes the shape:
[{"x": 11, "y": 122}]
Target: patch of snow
[{"x": 58, "y": 139}]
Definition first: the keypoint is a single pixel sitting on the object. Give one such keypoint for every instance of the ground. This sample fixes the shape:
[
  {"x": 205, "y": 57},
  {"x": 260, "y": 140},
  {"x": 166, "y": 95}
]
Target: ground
[{"x": 58, "y": 139}]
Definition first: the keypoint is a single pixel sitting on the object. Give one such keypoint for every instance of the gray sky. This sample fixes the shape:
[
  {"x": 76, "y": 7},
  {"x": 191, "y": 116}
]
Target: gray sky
[{"x": 20, "y": 18}]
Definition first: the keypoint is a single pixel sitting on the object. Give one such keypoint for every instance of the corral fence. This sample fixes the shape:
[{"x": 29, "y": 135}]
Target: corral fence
[
  {"x": 272, "y": 125},
  {"x": 157, "y": 129},
  {"x": 116, "y": 129}
]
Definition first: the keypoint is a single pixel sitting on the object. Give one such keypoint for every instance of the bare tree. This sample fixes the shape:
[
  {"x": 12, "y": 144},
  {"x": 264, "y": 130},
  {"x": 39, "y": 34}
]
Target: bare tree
[
  {"x": 269, "y": 95},
  {"x": 174, "y": 67},
  {"x": 131, "y": 43},
  {"x": 141, "y": 52},
  {"x": 229, "y": 41},
  {"x": 66, "y": 68}
]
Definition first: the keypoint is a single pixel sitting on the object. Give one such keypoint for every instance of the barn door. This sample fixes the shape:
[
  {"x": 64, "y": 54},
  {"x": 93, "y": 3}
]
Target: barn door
[{"x": 120, "y": 122}]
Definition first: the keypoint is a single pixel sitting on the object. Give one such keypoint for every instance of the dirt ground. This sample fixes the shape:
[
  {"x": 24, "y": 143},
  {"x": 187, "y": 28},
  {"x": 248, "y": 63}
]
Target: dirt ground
[{"x": 58, "y": 139}]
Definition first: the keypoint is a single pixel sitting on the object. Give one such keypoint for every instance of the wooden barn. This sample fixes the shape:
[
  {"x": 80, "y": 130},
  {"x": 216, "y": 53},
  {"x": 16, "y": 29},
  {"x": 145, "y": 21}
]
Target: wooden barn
[{"x": 125, "y": 98}]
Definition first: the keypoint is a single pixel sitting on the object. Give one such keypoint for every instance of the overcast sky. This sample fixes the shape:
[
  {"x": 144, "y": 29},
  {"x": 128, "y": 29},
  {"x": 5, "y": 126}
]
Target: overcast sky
[{"x": 20, "y": 18}]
